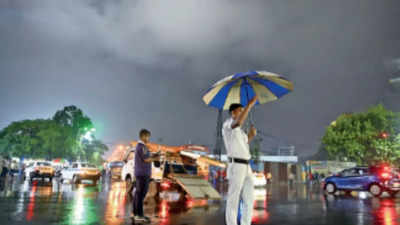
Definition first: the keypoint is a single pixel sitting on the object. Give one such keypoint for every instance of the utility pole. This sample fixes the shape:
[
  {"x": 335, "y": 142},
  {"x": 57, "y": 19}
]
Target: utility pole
[{"x": 218, "y": 141}]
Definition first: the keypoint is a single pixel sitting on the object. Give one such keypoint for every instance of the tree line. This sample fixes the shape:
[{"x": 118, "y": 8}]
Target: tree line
[
  {"x": 366, "y": 137},
  {"x": 68, "y": 134}
]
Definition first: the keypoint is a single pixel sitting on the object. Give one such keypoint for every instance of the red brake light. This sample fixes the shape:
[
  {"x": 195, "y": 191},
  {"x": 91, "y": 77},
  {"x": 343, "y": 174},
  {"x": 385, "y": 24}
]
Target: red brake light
[
  {"x": 189, "y": 203},
  {"x": 385, "y": 175}
]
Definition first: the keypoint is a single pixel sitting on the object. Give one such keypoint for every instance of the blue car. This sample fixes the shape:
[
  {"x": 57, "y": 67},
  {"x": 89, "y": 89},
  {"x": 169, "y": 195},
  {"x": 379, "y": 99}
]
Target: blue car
[{"x": 375, "y": 180}]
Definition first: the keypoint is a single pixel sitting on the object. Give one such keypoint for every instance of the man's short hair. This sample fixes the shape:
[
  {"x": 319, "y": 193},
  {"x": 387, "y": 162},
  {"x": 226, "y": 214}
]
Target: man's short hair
[
  {"x": 234, "y": 106},
  {"x": 144, "y": 132}
]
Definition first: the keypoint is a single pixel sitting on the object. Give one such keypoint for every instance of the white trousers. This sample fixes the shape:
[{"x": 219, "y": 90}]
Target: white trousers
[{"x": 241, "y": 186}]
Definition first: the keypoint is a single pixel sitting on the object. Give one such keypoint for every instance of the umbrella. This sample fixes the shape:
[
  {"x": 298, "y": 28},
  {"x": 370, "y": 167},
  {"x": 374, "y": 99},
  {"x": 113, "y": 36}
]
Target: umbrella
[{"x": 241, "y": 87}]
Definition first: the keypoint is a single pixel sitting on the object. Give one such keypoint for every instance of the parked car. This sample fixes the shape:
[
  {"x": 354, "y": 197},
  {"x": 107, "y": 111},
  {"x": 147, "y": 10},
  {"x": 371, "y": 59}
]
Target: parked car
[
  {"x": 80, "y": 171},
  {"x": 39, "y": 169},
  {"x": 376, "y": 180},
  {"x": 116, "y": 169},
  {"x": 127, "y": 173}
]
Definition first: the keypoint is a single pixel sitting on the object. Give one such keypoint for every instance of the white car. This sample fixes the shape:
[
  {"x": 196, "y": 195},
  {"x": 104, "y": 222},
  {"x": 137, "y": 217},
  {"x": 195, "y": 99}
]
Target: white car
[
  {"x": 115, "y": 169},
  {"x": 80, "y": 171},
  {"x": 127, "y": 173},
  {"x": 39, "y": 169}
]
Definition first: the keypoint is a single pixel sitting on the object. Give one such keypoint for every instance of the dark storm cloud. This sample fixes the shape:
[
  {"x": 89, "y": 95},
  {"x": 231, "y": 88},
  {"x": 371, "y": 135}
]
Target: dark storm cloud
[{"x": 134, "y": 64}]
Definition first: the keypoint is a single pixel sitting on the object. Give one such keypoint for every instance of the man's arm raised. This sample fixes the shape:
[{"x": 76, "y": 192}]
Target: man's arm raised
[{"x": 245, "y": 113}]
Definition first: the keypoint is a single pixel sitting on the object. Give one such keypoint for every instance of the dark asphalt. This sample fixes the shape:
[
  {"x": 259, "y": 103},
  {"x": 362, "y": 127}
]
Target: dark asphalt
[{"x": 108, "y": 203}]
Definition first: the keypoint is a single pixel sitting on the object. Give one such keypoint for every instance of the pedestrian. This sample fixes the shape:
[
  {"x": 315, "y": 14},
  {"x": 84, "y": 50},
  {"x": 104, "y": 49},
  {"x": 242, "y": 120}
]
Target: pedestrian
[
  {"x": 316, "y": 177},
  {"x": 143, "y": 159},
  {"x": 269, "y": 178},
  {"x": 5, "y": 169},
  {"x": 291, "y": 179},
  {"x": 240, "y": 175},
  {"x": 310, "y": 178}
]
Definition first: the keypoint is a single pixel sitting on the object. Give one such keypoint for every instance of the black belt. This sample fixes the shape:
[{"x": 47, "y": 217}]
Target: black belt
[{"x": 237, "y": 160}]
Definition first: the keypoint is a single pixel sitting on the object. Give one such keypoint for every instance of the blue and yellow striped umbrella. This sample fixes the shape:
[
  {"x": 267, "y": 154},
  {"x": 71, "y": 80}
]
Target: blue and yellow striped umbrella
[{"x": 241, "y": 87}]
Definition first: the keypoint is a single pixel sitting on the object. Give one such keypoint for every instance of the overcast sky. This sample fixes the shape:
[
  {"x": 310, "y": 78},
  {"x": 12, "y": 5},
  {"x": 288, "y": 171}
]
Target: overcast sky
[{"x": 135, "y": 64}]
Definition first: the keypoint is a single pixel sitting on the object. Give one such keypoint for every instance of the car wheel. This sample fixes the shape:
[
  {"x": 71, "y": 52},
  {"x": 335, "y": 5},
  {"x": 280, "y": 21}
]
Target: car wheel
[
  {"x": 330, "y": 188},
  {"x": 75, "y": 180},
  {"x": 128, "y": 181},
  {"x": 375, "y": 190}
]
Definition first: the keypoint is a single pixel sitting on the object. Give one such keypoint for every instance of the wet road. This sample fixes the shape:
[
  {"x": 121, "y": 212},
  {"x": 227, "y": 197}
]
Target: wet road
[{"x": 108, "y": 203}]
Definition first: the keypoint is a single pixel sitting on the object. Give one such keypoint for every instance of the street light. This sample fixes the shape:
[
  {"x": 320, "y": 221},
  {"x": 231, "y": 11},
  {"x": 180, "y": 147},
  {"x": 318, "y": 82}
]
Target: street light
[{"x": 88, "y": 136}]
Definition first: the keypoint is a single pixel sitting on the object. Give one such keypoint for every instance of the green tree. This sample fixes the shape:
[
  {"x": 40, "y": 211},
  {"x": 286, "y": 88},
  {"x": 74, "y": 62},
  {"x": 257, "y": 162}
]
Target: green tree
[
  {"x": 364, "y": 137},
  {"x": 93, "y": 150},
  {"x": 73, "y": 118},
  {"x": 35, "y": 138},
  {"x": 60, "y": 137},
  {"x": 20, "y": 138}
]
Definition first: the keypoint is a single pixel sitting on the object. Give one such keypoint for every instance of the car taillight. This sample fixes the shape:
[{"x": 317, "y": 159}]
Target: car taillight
[
  {"x": 189, "y": 203},
  {"x": 165, "y": 185},
  {"x": 385, "y": 175}
]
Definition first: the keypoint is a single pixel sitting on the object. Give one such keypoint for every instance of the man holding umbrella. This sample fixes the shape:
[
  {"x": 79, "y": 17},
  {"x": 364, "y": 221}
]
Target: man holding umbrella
[
  {"x": 261, "y": 87},
  {"x": 240, "y": 175}
]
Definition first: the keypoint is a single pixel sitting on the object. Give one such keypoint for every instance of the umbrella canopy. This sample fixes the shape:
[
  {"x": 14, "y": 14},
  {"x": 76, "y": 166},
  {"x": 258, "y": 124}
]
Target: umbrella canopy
[{"x": 241, "y": 87}]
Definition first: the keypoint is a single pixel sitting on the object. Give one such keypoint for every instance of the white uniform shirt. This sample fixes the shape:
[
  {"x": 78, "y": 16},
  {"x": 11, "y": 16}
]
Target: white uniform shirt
[{"x": 236, "y": 141}]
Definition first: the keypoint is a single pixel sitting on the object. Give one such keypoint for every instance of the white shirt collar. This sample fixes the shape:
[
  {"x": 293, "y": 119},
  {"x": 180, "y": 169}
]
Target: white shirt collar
[{"x": 141, "y": 142}]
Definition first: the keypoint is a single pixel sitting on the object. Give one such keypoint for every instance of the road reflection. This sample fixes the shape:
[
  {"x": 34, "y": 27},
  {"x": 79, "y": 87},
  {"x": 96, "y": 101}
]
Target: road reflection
[
  {"x": 54, "y": 203},
  {"x": 82, "y": 207},
  {"x": 115, "y": 211},
  {"x": 164, "y": 212},
  {"x": 37, "y": 192},
  {"x": 260, "y": 213},
  {"x": 385, "y": 212}
]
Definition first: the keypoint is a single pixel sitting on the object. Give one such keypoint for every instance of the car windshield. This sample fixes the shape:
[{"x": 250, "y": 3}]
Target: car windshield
[
  {"x": 43, "y": 164},
  {"x": 177, "y": 168},
  {"x": 87, "y": 165},
  {"x": 191, "y": 169}
]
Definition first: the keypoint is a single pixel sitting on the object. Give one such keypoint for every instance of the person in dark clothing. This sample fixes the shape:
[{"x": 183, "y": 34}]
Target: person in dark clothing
[{"x": 143, "y": 159}]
